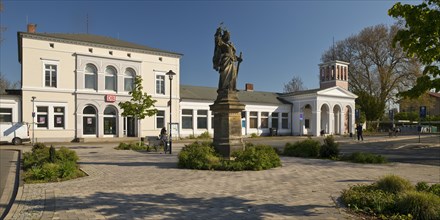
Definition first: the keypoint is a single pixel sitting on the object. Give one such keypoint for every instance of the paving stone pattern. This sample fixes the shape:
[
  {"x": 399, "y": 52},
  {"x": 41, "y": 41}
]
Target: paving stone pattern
[{"x": 138, "y": 185}]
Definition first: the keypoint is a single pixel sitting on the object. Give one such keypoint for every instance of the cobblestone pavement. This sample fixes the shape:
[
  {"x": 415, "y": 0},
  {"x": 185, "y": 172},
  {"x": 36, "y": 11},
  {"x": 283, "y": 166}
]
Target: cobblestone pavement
[{"x": 138, "y": 185}]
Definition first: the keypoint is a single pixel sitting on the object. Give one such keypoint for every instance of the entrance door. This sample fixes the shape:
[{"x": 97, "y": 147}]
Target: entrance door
[{"x": 131, "y": 127}]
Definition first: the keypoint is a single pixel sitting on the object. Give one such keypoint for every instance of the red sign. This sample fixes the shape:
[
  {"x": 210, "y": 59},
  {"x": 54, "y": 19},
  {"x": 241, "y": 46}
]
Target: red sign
[{"x": 110, "y": 98}]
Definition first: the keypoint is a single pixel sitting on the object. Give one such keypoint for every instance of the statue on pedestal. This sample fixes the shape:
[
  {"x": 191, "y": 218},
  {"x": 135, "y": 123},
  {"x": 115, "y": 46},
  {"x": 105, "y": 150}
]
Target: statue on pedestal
[
  {"x": 227, "y": 108},
  {"x": 225, "y": 61}
]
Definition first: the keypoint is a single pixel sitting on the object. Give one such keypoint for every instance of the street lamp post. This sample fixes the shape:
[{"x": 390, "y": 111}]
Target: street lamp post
[
  {"x": 170, "y": 75},
  {"x": 33, "y": 119}
]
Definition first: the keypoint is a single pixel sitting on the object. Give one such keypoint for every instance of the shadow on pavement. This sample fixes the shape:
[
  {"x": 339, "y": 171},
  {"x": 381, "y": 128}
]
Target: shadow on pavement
[
  {"x": 173, "y": 206},
  {"x": 163, "y": 165}
]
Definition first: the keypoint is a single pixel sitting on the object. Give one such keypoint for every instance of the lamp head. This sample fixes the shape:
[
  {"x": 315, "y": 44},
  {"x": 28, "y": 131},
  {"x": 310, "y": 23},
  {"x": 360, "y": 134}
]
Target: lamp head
[{"x": 170, "y": 74}]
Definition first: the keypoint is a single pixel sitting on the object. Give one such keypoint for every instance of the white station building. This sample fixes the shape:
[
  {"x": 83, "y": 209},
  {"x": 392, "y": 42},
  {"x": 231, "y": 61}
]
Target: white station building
[{"x": 74, "y": 82}]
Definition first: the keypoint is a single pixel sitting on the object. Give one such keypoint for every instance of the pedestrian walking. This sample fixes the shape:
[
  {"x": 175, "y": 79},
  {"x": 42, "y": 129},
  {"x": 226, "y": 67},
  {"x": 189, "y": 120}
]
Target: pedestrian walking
[{"x": 359, "y": 132}]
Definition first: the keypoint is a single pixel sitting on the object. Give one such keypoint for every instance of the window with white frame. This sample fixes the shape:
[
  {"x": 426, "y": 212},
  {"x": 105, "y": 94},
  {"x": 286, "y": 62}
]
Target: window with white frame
[
  {"x": 275, "y": 116},
  {"x": 129, "y": 79},
  {"x": 202, "y": 119},
  {"x": 5, "y": 114},
  {"x": 160, "y": 84},
  {"x": 90, "y": 76},
  {"x": 187, "y": 118},
  {"x": 160, "y": 119},
  {"x": 58, "y": 117},
  {"x": 253, "y": 119},
  {"x": 264, "y": 119},
  {"x": 50, "y": 75},
  {"x": 42, "y": 116},
  {"x": 285, "y": 120},
  {"x": 110, "y": 78}
]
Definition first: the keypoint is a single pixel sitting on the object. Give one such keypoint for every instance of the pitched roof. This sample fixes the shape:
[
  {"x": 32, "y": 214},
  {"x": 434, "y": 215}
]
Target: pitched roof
[
  {"x": 96, "y": 40},
  {"x": 210, "y": 94}
]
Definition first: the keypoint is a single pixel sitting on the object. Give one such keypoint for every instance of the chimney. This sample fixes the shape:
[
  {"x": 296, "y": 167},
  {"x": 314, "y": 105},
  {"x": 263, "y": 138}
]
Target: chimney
[
  {"x": 31, "y": 28},
  {"x": 249, "y": 87}
]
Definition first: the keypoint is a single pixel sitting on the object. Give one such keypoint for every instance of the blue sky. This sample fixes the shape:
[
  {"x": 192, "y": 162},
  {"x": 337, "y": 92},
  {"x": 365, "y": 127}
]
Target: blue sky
[{"x": 279, "y": 39}]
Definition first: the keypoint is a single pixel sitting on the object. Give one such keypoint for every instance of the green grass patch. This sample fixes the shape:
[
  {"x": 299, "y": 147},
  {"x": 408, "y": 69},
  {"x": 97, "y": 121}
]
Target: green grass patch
[
  {"x": 44, "y": 164},
  {"x": 202, "y": 156},
  {"x": 393, "y": 197}
]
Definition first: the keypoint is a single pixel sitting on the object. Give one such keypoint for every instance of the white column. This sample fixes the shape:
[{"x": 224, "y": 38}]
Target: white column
[
  {"x": 100, "y": 123},
  {"x": 331, "y": 122},
  {"x": 317, "y": 117}
]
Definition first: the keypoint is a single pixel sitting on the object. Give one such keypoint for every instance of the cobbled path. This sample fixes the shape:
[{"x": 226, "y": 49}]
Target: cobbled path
[{"x": 137, "y": 185}]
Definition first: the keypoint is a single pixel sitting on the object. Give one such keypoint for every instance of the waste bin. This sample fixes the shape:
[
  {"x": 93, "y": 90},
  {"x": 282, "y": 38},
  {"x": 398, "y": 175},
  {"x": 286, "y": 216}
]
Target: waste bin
[{"x": 273, "y": 131}]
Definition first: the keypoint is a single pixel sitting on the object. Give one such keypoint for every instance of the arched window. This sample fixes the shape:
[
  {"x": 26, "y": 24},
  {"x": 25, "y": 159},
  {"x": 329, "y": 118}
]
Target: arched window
[
  {"x": 110, "y": 78},
  {"x": 89, "y": 120},
  {"x": 110, "y": 125},
  {"x": 90, "y": 77},
  {"x": 129, "y": 79}
]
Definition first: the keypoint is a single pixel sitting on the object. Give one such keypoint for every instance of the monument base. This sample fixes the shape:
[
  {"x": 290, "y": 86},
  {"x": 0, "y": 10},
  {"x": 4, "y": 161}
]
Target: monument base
[{"x": 227, "y": 123}]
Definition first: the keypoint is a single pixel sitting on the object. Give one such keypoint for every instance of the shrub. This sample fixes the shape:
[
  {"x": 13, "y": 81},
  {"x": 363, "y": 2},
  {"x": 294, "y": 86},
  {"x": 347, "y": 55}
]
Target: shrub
[
  {"x": 191, "y": 136},
  {"x": 198, "y": 156},
  {"x": 394, "y": 184},
  {"x": 254, "y": 135},
  {"x": 435, "y": 189},
  {"x": 393, "y": 197},
  {"x": 123, "y": 146},
  {"x": 65, "y": 154},
  {"x": 40, "y": 166},
  {"x": 136, "y": 146},
  {"x": 67, "y": 169},
  {"x": 204, "y": 135},
  {"x": 330, "y": 149},
  {"x": 203, "y": 156},
  {"x": 368, "y": 199},
  {"x": 38, "y": 146},
  {"x": 422, "y": 186},
  {"x": 258, "y": 157},
  {"x": 52, "y": 154},
  {"x": 305, "y": 148},
  {"x": 421, "y": 205},
  {"x": 363, "y": 157},
  {"x": 37, "y": 158}
]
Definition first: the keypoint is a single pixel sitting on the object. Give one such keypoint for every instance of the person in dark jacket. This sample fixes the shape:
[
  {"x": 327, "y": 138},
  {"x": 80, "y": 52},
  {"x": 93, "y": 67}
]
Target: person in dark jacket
[{"x": 359, "y": 132}]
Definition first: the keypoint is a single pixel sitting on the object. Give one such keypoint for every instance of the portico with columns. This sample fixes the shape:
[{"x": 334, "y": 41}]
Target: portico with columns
[{"x": 327, "y": 110}]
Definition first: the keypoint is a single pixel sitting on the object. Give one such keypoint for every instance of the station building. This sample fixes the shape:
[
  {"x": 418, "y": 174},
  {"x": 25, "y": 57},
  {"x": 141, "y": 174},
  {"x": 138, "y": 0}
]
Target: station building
[{"x": 72, "y": 84}]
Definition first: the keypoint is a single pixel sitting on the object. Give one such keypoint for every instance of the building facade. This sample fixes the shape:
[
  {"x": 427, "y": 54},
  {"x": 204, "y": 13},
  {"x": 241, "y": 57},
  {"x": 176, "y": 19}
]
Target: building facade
[
  {"x": 77, "y": 81},
  {"x": 72, "y": 84}
]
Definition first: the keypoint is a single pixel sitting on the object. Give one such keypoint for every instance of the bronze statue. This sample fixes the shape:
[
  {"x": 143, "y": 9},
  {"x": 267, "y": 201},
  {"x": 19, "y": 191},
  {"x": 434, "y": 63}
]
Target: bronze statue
[{"x": 225, "y": 61}]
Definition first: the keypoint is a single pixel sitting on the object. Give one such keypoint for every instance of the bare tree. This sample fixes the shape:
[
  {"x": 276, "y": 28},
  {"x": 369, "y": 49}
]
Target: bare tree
[
  {"x": 6, "y": 84},
  {"x": 294, "y": 85},
  {"x": 378, "y": 71}
]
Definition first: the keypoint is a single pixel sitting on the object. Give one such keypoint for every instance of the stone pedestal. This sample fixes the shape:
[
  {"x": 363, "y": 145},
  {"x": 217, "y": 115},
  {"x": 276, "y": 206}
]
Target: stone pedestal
[{"x": 227, "y": 123}]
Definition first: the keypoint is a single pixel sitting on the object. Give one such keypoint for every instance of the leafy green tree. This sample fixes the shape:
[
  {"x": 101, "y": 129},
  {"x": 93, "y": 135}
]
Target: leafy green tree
[
  {"x": 420, "y": 38},
  {"x": 140, "y": 105}
]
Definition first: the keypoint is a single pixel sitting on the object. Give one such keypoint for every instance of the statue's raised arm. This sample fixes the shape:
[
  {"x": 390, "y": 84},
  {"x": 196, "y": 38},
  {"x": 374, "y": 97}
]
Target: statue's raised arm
[{"x": 225, "y": 61}]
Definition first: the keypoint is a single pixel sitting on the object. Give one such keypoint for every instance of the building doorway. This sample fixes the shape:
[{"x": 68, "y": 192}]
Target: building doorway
[{"x": 130, "y": 126}]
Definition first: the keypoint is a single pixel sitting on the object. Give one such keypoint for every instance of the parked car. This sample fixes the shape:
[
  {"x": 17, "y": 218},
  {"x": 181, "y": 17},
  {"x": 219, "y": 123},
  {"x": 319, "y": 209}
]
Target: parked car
[{"x": 15, "y": 133}]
